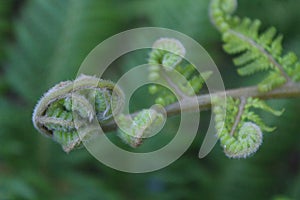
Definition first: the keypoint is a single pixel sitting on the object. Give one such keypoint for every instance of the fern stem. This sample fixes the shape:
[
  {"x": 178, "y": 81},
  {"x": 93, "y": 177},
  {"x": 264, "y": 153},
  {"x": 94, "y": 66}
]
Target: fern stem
[
  {"x": 237, "y": 120},
  {"x": 263, "y": 51},
  {"x": 288, "y": 90},
  {"x": 173, "y": 85}
]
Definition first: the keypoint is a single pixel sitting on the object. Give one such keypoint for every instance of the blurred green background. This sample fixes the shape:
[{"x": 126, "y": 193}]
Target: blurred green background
[{"x": 43, "y": 42}]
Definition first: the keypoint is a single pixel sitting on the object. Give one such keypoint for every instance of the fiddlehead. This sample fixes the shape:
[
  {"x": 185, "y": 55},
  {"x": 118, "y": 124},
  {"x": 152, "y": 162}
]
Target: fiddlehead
[
  {"x": 87, "y": 98},
  {"x": 143, "y": 125},
  {"x": 240, "y": 130},
  {"x": 255, "y": 51},
  {"x": 164, "y": 59},
  {"x": 167, "y": 52}
]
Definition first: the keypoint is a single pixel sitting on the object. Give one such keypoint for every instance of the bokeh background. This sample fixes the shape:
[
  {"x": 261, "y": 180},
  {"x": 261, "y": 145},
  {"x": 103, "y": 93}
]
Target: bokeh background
[{"x": 43, "y": 42}]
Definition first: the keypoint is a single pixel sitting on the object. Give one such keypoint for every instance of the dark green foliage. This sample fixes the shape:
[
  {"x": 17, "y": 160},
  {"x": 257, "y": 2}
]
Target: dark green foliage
[
  {"x": 55, "y": 54},
  {"x": 5, "y": 24}
]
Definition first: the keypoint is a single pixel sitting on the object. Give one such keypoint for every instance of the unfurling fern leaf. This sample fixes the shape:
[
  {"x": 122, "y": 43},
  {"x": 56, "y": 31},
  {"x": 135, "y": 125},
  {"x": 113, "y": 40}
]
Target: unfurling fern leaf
[
  {"x": 255, "y": 51},
  {"x": 164, "y": 59},
  {"x": 87, "y": 98},
  {"x": 167, "y": 52},
  {"x": 142, "y": 126},
  {"x": 73, "y": 105},
  {"x": 247, "y": 142},
  {"x": 240, "y": 130}
]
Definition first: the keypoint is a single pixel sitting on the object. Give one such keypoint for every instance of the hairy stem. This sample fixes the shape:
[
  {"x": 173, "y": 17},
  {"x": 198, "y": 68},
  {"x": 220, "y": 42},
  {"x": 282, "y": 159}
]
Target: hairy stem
[
  {"x": 173, "y": 85},
  {"x": 239, "y": 115},
  {"x": 204, "y": 101}
]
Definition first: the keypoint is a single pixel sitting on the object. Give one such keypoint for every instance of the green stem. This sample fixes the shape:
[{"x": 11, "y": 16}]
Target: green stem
[
  {"x": 288, "y": 90},
  {"x": 237, "y": 120}
]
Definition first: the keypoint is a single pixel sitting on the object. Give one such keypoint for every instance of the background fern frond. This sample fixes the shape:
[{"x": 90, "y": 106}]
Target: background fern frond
[
  {"x": 5, "y": 25},
  {"x": 78, "y": 27},
  {"x": 254, "y": 51}
]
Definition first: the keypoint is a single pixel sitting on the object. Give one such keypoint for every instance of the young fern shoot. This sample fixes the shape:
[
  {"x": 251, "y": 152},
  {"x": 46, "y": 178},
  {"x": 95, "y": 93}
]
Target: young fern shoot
[
  {"x": 165, "y": 59},
  {"x": 240, "y": 130},
  {"x": 85, "y": 99},
  {"x": 241, "y": 135}
]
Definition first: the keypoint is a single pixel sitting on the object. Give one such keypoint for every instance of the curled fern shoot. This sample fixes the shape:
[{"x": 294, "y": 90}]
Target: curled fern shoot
[
  {"x": 255, "y": 51},
  {"x": 87, "y": 98},
  {"x": 167, "y": 52},
  {"x": 165, "y": 59},
  {"x": 240, "y": 130},
  {"x": 143, "y": 125}
]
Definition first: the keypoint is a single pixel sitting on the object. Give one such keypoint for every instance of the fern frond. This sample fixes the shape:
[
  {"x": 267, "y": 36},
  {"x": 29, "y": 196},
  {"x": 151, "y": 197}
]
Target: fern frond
[
  {"x": 255, "y": 51},
  {"x": 273, "y": 80},
  {"x": 256, "y": 103},
  {"x": 240, "y": 130},
  {"x": 257, "y": 65}
]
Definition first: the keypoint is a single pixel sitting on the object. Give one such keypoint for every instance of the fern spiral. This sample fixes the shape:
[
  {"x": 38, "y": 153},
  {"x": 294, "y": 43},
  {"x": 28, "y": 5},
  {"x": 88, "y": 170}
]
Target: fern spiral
[
  {"x": 240, "y": 129},
  {"x": 143, "y": 125},
  {"x": 165, "y": 59},
  {"x": 248, "y": 140},
  {"x": 167, "y": 52},
  {"x": 88, "y": 97}
]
